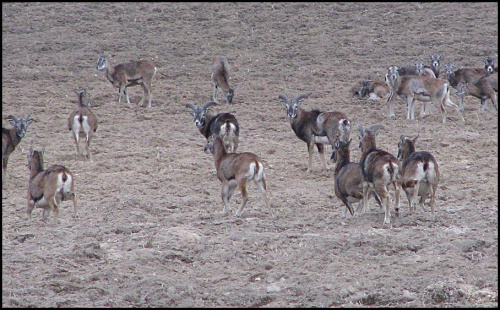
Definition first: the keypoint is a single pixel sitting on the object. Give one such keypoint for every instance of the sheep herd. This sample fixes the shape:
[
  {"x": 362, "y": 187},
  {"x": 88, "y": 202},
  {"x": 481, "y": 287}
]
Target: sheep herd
[{"x": 415, "y": 172}]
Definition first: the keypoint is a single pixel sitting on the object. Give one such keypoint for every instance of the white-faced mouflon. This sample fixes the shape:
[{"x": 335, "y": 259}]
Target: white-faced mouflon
[
  {"x": 136, "y": 72},
  {"x": 220, "y": 79},
  {"x": 380, "y": 169},
  {"x": 236, "y": 170},
  {"x": 467, "y": 75},
  {"x": 224, "y": 125},
  {"x": 489, "y": 65},
  {"x": 12, "y": 137},
  {"x": 413, "y": 87},
  {"x": 315, "y": 127},
  {"x": 48, "y": 188},
  {"x": 420, "y": 173},
  {"x": 434, "y": 66},
  {"x": 82, "y": 122}
]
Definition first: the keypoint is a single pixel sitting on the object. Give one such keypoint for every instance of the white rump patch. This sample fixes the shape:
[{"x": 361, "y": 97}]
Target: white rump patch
[
  {"x": 76, "y": 126},
  {"x": 86, "y": 126},
  {"x": 431, "y": 172},
  {"x": 251, "y": 171},
  {"x": 42, "y": 203},
  {"x": 343, "y": 128},
  {"x": 260, "y": 173},
  {"x": 64, "y": 186},
  {"x": 419, "y": 172}
]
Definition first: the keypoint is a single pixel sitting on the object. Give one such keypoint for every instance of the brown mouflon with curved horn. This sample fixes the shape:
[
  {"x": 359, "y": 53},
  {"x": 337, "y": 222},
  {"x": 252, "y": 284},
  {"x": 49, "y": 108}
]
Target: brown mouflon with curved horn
[
  {"x": 315, "y": 127},
  {"x": 222, "y": 124}
]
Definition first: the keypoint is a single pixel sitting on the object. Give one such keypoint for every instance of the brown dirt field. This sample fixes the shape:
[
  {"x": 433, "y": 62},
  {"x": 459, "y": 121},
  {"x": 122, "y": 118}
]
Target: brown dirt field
[{"x": 150, "y": 231}]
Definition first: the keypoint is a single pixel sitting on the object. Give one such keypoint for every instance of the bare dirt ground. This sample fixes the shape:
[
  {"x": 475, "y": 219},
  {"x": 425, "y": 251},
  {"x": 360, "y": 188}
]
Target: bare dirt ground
[{"x": 150, "y": 231}]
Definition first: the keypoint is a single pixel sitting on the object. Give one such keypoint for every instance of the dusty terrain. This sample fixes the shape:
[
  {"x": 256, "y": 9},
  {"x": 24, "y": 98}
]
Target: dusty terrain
[{"x": 150, "y": 232}]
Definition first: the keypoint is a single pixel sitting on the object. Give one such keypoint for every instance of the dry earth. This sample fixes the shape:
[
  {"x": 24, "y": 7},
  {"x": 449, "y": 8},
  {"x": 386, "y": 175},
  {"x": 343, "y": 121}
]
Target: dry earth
[{"x": 150, "y": 232}]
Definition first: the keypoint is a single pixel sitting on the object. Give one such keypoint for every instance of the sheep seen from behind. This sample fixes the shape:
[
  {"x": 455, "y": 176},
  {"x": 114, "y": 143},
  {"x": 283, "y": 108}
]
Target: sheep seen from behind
[
  {"x": 236, "y": 170},
  {"x": 420, "y": 173}
]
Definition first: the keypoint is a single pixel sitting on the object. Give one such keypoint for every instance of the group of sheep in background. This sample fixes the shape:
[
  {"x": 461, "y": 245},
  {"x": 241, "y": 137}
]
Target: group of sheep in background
[
  {"x": 421, "y": 82},
  {"x": 416, "y": 172}
]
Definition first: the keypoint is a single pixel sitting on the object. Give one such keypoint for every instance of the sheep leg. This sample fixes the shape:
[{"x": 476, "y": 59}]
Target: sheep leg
[
  {"x": 433, "y": 197},
  {"x": 243, "y": 188},
  {"x": 321, "y": 150},
  {"x": 310, "y": 150},
  {"x": 225, "y": 193},
  {"x": 31, "y": 205},
  {"x": 348, "y": 206},
  {"x": 261, "y": 185},
  {"x": 143, "y": 94},
  {"x": 397, "y": 193},
  {"x": 46, "y": 212},
  {"x": 365, "y": 194},
  {"x": 72, "y": 196},
  {"x": 149, "y": 88},
  {"x": 382, "y": 192},
  {"x": 214, "y": 97},
  {"x": 76, "y": 133}
]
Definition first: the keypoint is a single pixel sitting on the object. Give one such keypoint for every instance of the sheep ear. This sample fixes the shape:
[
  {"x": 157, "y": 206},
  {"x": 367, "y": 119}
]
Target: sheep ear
[
  {"x": 28, "y": 119},
  {"x": 12, "y": 119},
  {"x": 416, "y": 138}
]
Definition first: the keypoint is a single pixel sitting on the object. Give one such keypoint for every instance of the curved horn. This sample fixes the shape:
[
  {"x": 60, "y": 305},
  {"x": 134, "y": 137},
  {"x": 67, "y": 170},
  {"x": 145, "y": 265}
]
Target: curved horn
[
  {"x": 208, "y": 104},
  {"x": 284, "y": 98},
  {"x": 299, "y": 97},
  {"x": 375, "y": 128},
  {"x": 192, "y": 106}
]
